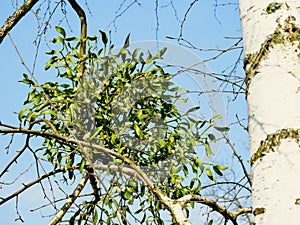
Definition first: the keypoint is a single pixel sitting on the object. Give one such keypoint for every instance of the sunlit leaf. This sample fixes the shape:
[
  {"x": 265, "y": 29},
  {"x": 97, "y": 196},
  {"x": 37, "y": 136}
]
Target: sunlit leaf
[
  {"x": 82, "y": 164},
  {"x": 126, "y": 43},
  {"x": 217, "y": 117},
  {"x": 162, "y": 51},
  {"x": 60, "y": 30},
  {"x": 210, "y": 174},
  {"x": 21, "y": 113},
  {"x": 104, "y": 37},
  {"x": 95, "y": 217},
  {"x": 138, "y": 130},
  {"x": 216, "y": 169},
  {"x": 212, "y": 137},
  {"x": 27, "y": 80},
  {"x": 208, "y": 150},
  {"x": 222, "y": 129},
  {"x": 193, "y": 109}
]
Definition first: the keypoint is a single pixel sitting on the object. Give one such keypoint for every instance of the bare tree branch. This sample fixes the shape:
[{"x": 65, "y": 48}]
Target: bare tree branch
[
  {"x": 232, "y": 216},
  {"x": 111, "y": 168},
  {"x": 175, "y": 206},
  {"x": 148, "y": 182},
  {"x": 15, "y": 18},
  {"x": 26, "y": 186}
]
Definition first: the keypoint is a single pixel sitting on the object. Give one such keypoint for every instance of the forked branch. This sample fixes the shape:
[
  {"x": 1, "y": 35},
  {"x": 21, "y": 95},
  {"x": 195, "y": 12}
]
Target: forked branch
[{"x": 232, "y": 216}]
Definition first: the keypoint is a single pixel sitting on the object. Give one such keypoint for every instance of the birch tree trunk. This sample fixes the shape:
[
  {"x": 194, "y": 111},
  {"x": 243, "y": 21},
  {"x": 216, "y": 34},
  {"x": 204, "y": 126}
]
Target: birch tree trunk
[{"x": 271, "y": 32}]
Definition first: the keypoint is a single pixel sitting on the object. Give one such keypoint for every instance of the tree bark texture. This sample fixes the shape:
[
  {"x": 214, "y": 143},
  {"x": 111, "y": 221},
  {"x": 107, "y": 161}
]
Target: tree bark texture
[
  {"x": 14, "y": 19},
  {"x": 271, "y": 34}
]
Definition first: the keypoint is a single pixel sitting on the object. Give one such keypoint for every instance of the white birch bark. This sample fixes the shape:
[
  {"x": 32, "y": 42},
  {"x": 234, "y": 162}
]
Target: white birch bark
[{"x": 271, "y": 33}]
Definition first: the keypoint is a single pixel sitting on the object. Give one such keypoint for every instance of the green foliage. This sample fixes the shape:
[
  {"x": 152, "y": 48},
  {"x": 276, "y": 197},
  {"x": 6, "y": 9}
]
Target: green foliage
[
  {"x": 124, "y": 102},
  {"x": 210, "y": 222}
]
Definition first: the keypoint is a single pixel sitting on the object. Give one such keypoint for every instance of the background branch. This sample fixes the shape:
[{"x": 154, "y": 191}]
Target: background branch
[
  {"x": 15, "y": 18},
  {"x": 83, "y": 32}
]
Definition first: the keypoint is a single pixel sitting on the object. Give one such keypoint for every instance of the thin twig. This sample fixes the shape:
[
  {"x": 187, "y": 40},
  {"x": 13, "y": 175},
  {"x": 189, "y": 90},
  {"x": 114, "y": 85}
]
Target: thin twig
[
  {"x": 239, "y": 158},
  {"x": 28, "y": 70},
  {"x": 14, "y": 160},
  {"x": 185, "y": 17}
]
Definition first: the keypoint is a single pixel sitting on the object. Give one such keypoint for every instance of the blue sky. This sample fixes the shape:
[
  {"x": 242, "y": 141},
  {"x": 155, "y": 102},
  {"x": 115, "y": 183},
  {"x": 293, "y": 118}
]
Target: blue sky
[{"x": 206, "y": 27}]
